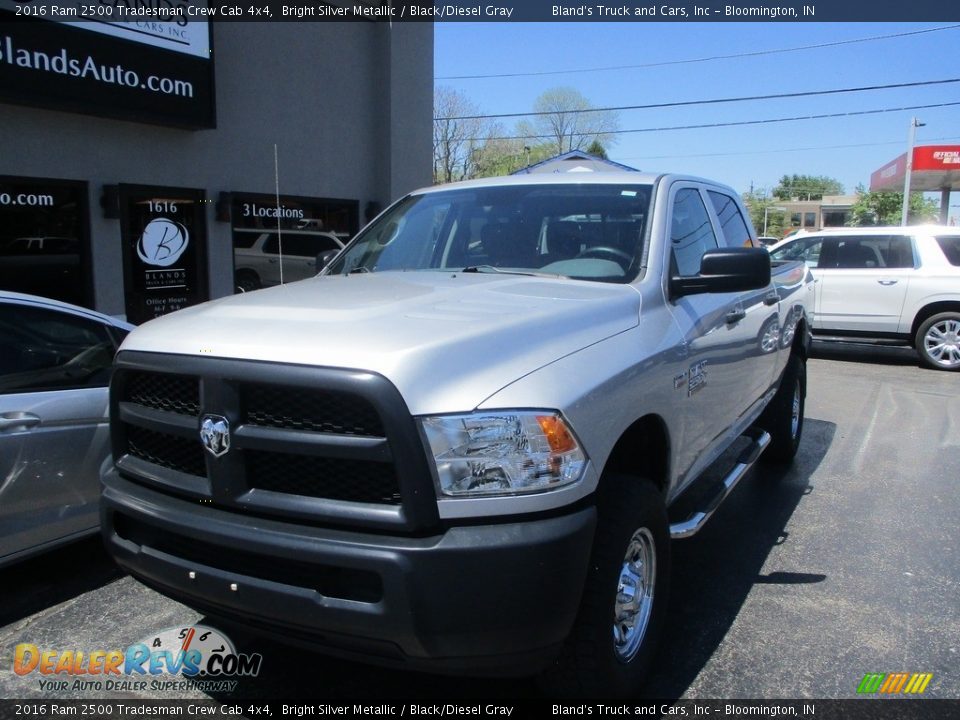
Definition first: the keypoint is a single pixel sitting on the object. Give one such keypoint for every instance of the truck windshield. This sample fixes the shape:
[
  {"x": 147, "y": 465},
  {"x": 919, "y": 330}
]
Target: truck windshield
[{"x": 588, "y": 232}]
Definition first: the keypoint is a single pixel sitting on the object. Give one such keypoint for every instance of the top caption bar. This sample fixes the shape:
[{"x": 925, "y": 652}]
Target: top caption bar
[{"x": 183, "y": 11}]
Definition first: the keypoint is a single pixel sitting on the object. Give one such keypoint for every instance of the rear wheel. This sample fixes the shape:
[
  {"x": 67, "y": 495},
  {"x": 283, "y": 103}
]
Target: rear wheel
[
  {"x": 624, "y": 600},
  {"x": 783, "y": 417},
  {"x": 938, "y": 341}
]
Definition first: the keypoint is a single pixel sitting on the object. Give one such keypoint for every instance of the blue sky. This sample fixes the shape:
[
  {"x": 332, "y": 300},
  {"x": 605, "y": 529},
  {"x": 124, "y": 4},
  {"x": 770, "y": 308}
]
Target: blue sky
[{"x": 846, "y": 148}]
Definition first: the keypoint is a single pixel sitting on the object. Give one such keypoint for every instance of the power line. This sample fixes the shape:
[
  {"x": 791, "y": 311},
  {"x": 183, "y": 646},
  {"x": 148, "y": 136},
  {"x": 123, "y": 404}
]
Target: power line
[
  {"x": 710, "y": 58},
  {"x": 711, "y": 101},
  {"x": 767, "y": 151},
  {"x": 726, "y": 124}
]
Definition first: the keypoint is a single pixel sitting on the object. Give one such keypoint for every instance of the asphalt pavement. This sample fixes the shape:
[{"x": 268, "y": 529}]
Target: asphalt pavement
[{"x": 804, "y": 581}]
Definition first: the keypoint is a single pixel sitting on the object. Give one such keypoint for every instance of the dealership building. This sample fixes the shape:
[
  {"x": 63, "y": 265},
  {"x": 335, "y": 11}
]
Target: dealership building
[{"x": 143, "y": 162}]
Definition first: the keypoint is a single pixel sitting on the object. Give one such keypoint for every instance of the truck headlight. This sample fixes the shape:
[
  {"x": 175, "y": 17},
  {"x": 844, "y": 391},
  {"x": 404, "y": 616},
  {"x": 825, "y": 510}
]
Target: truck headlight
[{"x": 503, "y": 453}]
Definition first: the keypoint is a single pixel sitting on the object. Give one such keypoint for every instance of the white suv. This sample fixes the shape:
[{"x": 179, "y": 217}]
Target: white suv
[
  {"x": 260, "y": 254},
  {"x": 899, "y": 284}
]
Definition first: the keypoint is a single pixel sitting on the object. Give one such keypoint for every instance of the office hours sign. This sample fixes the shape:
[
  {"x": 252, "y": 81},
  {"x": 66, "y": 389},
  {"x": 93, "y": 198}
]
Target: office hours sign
[{"x": 164, "y": 235}]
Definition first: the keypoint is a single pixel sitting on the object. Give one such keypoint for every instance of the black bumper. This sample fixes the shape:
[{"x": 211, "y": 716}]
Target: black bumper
[{"x": 494, "y": 599}]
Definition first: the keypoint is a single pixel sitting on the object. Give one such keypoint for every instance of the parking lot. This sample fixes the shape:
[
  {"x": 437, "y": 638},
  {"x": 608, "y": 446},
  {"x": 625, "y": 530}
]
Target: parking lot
[{"x": 803, "y": 582}]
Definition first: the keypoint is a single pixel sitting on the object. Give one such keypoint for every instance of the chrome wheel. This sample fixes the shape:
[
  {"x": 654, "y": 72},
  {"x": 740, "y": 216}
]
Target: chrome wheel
[
  {"x": 796, "y": 411},
  {"x": 941, "y": 343},
  {"x": 634, "y": 601}
]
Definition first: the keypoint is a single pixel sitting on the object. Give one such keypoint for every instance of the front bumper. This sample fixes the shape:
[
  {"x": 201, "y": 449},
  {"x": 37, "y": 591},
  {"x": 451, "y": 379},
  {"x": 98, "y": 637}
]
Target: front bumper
[{"x": 494, "y": 599}]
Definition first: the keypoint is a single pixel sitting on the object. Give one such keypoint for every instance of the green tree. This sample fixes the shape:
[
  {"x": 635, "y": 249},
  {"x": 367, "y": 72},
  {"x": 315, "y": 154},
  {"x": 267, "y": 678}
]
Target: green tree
[
  {"x": 886, "y": 208},
  {"x": 806, "y": 187},
  {"x": 759, "y": 204},
  {"x": 596, "y": 148}
]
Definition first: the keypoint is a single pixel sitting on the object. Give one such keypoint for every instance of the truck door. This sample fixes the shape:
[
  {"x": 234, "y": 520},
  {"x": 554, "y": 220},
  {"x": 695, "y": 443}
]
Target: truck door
[
  {"x": 719, "y": 336},
  {"x": 761, "y": 308}
]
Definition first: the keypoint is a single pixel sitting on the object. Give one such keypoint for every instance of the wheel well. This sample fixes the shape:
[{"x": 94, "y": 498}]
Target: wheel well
[
  {"x": 931, "y": 310},
  {"x": 800, "y": 344},
  {"x": 643, "y": 450}
]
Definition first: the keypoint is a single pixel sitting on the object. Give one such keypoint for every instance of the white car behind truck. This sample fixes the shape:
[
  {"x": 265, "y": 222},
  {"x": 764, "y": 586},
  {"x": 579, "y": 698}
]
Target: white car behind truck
[
  {"x": 456, "y": 448},
  {"x": 893, "y": 284}
]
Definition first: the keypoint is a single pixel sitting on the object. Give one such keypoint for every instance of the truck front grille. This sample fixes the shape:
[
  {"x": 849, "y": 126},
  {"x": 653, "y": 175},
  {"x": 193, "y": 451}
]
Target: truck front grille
[
  {"x": 168, "y": 451},
  {"x": 306, "y": 409},
  {"x": 308, "y": 443},
  {"x": 167, "y": 392},
  {"x": 334, "y": 478}
]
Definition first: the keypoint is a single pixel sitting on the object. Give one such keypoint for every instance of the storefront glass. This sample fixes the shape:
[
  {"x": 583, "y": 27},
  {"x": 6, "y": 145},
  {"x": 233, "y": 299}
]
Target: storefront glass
[{"x": 44, "y": 239}]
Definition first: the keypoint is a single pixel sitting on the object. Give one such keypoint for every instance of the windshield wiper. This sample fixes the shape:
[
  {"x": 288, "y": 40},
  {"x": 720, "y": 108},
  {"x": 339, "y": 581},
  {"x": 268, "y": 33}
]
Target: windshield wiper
[
  {"x": 358, "y": 270},
  {"x": 492, "y": 269}
]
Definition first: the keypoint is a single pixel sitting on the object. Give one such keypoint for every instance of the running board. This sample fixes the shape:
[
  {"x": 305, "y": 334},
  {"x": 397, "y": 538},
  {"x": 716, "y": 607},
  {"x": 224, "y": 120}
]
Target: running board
[{"x": 759, "y": 440}]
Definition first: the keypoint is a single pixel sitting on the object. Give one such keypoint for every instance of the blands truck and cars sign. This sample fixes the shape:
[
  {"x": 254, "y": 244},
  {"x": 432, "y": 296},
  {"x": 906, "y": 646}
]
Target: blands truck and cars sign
[{"x": 95, "y": 57}]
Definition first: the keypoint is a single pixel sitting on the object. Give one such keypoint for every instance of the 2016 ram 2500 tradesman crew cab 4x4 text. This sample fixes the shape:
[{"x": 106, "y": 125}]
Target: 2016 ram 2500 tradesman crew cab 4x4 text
[{"x": 456, "y": 448}]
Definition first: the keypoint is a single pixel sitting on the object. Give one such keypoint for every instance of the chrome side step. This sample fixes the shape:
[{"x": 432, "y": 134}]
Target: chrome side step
[{"x": 759, "y": 439}]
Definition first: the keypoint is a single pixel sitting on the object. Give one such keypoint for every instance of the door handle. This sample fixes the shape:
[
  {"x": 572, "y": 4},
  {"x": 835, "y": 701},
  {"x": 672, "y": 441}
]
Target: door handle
[
  {"x": 735, "y": 315},
  {"x": 12, "y": 421},
  {"x": 771, "y": 298},
  {"x": 887, "y": 282}
]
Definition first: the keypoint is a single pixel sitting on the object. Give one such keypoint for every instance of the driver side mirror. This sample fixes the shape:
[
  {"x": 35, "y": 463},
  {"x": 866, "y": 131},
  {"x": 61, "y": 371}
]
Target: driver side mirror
[{"x": 726, "y": 270}]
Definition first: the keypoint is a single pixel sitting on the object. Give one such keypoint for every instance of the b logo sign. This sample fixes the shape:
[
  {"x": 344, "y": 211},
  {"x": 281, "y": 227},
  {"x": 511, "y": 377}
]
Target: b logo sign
[{"x": 162, "y": 242}]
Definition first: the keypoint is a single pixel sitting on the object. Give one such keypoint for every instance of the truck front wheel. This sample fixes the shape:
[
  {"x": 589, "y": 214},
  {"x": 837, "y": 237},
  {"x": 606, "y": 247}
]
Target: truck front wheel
[{"x": 625, "y": 597}]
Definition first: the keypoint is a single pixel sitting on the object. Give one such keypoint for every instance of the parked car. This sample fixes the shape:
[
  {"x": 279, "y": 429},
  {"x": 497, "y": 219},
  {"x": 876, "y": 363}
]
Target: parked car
[
  {"x": 55, "y": 365},
  {"x": 456, "y": 447},
  {"x": 259, "y": 256},
  {"x": 894, "y": 284}
]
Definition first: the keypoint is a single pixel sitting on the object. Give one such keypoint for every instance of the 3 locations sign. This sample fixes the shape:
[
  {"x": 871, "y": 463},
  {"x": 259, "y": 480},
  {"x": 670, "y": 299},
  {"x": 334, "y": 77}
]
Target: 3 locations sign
[{"x": 149, "y": 61}]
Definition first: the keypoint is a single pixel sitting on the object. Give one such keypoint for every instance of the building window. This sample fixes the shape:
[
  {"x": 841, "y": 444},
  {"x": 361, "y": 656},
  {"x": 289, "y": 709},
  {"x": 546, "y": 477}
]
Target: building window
[
  {"x": 44, "y": 239},
  {"x": 279, "y": 240},
  {"x": 809, "y": 219},
  {"x": 164, "y": 238}
]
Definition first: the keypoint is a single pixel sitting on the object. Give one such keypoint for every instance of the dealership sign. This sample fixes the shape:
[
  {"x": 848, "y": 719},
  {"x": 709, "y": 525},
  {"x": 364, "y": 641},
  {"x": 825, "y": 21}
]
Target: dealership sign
[{"x": 108, "y": 58}]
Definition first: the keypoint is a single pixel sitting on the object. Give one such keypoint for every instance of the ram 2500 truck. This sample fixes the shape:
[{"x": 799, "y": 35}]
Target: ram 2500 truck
[{"x": 456, "y": 448}]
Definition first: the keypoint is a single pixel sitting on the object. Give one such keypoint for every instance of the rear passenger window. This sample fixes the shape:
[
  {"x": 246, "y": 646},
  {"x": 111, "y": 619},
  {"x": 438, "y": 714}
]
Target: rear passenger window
[
  {"x": 869, "y": 252},
  {"x": 691, "y": 233},
  {"x": 732, "y": 225},
  {"x": 950, "y": 244}
]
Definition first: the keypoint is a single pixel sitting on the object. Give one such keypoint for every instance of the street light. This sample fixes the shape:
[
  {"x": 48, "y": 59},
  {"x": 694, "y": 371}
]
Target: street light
[{"x": 912, "y": 135}]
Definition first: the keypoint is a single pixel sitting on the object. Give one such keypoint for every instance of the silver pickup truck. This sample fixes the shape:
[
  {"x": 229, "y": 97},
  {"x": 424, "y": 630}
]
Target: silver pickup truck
[{"x": 457, "y": 447}]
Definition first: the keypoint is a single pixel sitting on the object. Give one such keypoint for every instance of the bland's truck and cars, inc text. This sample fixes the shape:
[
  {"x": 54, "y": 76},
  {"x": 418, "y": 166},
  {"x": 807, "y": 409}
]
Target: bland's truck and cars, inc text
[{"x": 456, "y": 449}]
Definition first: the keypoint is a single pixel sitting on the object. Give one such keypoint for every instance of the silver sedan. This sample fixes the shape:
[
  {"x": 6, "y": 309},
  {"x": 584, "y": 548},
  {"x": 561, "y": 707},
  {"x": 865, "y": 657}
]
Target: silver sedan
[{"x": 55, "y": 364}]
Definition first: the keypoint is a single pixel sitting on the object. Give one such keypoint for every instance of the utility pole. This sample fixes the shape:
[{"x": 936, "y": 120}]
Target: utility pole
[{"x": 911, "y": 137}]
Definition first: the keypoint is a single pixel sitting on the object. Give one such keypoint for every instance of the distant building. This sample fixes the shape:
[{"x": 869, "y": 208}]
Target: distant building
[
  {"x": 575, "y": 161},
  {"x": 831, "y": 211}
]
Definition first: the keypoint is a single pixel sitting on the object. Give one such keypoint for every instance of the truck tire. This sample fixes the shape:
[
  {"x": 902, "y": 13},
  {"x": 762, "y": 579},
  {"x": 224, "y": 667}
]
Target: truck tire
[
  {"x": 938, "y": 341},
  {"x": 783, "y": 417},
  {"x": 624, "y": 600}
]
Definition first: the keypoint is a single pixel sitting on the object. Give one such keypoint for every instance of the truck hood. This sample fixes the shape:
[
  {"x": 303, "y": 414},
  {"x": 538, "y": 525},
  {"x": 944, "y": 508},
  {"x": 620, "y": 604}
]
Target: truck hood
[{"x": 447, "y": 341}]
